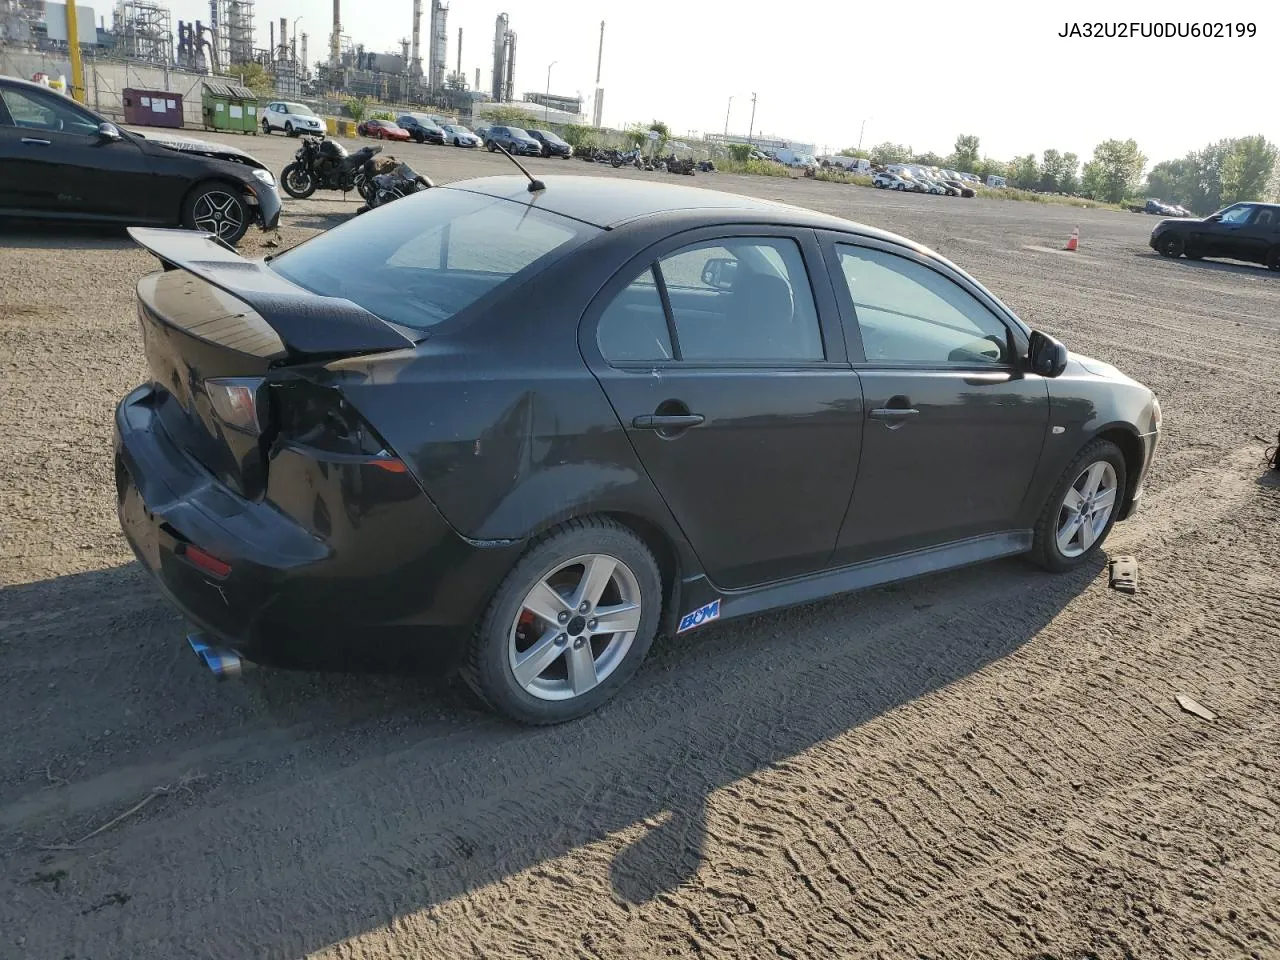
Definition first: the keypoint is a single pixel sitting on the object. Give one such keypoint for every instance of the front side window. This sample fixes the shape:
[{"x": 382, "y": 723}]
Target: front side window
[
  {"x": 737, "y": 299},
  {"x": 1237, "y": 214},
  {"x": 908, "y": 313},
  {"x": 424, "y": 259},
  {"x": 51, "y": 113}
]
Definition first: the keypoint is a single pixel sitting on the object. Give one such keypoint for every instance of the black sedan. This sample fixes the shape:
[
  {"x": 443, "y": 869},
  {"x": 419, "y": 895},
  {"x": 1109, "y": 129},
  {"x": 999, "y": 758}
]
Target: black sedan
[
  {"x": 421, "y": 128},
  {"x": 552, "y": 145},
  {"x": 526, "y": 432},
  {"x": 1242, "y": 231},
  {"x": 59, "y": 160}
]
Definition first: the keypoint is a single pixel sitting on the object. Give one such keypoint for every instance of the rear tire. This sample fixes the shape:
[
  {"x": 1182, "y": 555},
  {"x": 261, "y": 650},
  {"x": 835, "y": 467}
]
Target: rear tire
[
  {"x": 1171, "y": 245},
  {"x": 288, "y": 129},
  {"x": 1273, "y": 259},
  {"x": 1056, "y": 546},
  {"x": 574, "y": 655},
  {"x": 266, "y": 126}
]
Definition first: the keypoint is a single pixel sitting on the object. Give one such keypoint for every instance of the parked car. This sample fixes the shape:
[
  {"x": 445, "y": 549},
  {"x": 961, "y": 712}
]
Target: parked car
[
  {"x": 482, "y": 133},
  {"x": 467, "y": 425},
  {"x": 552, "y": 145},
  {"x": 848, "y": 164},
  {"x": 514, "y": 140},
  {"x": 964, "y": 188},
  {"x": 892, "y": 181},
  {"x": 1242, "y": 231},
  {"x": 59, "y": 160},
  {"x": 421, "y": 128},
  {"x": 293, "y": 118},
  {"x": 460, "y": 136},
  {"x": 382, "y": 130}
]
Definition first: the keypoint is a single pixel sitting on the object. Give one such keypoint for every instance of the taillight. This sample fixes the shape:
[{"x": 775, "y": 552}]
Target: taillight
[
  {"x": 320, "y": 418},
  {"x": 235, "y": 401}
]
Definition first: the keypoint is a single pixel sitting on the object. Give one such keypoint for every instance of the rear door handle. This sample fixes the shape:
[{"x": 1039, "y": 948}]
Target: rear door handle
[
  {"x": 36, "y": 141},
  {"x": 655, "y": 421},
  {"x": 893, "y": 413}
]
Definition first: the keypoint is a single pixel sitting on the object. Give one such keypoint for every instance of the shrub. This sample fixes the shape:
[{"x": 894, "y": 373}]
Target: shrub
[
  {"x": 356, "y": 108},
  {"x": 740, "y": 152},
  {"x": 383, "y": 115}
]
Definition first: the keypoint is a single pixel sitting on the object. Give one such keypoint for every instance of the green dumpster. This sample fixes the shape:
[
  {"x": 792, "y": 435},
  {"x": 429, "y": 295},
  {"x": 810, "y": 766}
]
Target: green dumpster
[{"x": 225, "y": 106}]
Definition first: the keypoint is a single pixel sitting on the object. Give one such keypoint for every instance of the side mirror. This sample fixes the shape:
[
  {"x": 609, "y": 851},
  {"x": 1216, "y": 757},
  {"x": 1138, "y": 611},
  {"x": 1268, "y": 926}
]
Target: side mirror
[
  {"x": 109, "y": 132},
  {"x": 718, "y": 272},
  {"x": 1046, "y": 356}
]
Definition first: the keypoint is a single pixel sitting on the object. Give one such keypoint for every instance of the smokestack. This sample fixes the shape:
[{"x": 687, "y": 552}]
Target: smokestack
[
  {"x": 271, "y": 29},
  {"x": 459, "y": 70},
  {"x": 415, "y": 59},
  {"x": 499, "y": 56},
  {"x": 302, "y": 64},
  {"x": 510, "y": 93},
  {"x": 284, "y": 38},
  {"x": 335, "y": 38},
  {"x": 477, "y": 78},
  {"x": 600, "y": 55}
]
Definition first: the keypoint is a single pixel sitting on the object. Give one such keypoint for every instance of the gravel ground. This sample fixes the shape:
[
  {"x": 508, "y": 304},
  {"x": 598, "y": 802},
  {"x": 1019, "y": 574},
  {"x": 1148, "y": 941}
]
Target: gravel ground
[{"x": 985, "y": 763}]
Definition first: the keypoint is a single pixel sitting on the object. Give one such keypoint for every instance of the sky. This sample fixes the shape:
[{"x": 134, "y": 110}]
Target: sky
[{"x": 918, "y": 73}]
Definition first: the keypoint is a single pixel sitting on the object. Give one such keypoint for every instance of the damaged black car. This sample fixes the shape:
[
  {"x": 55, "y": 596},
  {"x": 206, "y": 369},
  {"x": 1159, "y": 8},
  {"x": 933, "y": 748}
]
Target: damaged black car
[{"x": 61, "y": 161}]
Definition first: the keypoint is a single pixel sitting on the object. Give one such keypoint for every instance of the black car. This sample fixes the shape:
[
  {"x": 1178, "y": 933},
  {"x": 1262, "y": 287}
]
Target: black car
[
  {"x": 1242, "y": 231},
  {"x": 59, "y": 160},
  {"x": 512, "y": 139},
  {"x": 525, "y": 432},
  {"x": 421, "y": 127},
  {"x": 552, "y": 145}
]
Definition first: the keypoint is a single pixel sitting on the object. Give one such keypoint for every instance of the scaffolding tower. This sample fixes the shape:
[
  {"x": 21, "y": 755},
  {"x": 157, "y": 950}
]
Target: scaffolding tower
[
  {"x": 232, "y": 25},
  {"x": 143, "y": 31}
]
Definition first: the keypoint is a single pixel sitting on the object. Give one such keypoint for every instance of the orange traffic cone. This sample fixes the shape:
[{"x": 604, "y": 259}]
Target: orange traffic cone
[{"x": 1075, "y": 239}]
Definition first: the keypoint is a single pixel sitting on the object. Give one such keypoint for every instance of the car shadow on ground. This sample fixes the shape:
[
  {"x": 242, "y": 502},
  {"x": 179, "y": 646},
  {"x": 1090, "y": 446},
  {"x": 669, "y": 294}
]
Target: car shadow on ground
[
  {"x": 1214, "y": 266},
  {"x": 466, "y": 799},
  {"x": 27, "y": 235}
]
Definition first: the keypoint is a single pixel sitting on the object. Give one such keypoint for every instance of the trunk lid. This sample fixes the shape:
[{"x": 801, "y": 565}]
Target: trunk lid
[{"x": 211, "y": 314}]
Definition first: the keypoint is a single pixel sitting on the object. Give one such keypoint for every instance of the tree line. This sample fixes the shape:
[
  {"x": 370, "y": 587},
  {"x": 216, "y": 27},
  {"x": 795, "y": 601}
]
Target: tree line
[{"x": 1244, "y": 168}]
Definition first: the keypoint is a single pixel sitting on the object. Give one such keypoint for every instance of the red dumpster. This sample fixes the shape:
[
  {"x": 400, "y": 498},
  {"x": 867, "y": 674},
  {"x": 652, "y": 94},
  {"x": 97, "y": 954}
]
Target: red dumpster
[{"x": 152, "y": 108}]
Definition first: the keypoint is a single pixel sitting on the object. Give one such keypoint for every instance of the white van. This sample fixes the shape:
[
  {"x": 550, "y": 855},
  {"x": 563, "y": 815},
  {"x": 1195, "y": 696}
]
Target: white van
[
  {"x": 850, "y": 164},
  {"x": 996, "y": 183}
]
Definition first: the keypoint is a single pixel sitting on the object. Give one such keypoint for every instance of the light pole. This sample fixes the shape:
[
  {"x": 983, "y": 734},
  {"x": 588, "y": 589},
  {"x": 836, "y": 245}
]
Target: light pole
[
  {"x": 751, "y": 127},
  {"x": 860, "y": 131},
  {"x": 726, "y": 118},
  {"x": 546, "y": 106}
]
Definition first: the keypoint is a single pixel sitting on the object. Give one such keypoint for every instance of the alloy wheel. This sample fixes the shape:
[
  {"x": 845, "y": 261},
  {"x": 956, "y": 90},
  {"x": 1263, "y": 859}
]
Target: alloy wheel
[
  {"x": 219, "y": 213},
  {"x": 575, "y": 627},
  {"x": 1086, "y": 509}
]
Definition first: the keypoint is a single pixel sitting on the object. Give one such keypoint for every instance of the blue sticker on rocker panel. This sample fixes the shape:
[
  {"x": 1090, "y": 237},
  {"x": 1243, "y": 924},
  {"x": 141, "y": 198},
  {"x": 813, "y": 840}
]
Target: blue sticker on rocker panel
[{"x": 703, "y": 614}]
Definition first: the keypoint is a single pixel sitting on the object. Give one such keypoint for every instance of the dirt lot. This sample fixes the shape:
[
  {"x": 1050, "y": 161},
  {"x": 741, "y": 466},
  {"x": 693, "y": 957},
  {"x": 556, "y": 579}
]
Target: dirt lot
[{"x": 988, "y": 763}]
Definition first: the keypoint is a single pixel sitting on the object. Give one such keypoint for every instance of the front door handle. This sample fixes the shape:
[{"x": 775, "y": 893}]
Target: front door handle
[
  {"x": 36, "y": 141},
  {"x": 656, "y": 421}
]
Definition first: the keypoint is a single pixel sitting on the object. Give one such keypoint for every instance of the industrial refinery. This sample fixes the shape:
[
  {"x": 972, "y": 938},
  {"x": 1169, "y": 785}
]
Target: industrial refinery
[{"x": 143, "y": 31}]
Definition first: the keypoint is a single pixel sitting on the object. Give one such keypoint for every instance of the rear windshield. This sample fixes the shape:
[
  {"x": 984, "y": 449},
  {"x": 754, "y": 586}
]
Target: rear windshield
[{"x": 424, "y": 259}]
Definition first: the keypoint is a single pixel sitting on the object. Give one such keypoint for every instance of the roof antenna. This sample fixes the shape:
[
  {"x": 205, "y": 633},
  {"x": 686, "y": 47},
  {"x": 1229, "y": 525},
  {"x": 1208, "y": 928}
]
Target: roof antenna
[{"x": 535, "y": 186}]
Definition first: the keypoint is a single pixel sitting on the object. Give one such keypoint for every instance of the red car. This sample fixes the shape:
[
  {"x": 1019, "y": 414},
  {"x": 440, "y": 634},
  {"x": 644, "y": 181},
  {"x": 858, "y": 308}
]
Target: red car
[{"x": 382, "y": 130}]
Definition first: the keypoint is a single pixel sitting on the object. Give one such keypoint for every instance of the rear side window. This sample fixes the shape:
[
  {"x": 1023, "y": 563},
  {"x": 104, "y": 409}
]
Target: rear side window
[
  {"x": 740, "y": 299},
  {"x": 424, "y": 259}
]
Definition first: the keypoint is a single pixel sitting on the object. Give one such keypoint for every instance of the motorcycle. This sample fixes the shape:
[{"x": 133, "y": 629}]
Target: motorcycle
[
  {"x": 398, "y": 182},
  {"x": 322, "y": 164},
  {"x": 631, "y": 157}
]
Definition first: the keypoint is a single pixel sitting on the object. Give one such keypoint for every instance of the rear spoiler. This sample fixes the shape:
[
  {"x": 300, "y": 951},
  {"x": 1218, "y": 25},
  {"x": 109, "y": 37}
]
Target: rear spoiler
[{"x": 308, "y": 324}]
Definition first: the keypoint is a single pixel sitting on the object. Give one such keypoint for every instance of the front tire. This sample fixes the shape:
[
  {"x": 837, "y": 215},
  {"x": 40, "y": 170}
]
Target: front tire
[
  {"x": 297, "y": 181},
  {"x": 266, "y": 126},
  {"x": 1171, "y": 245},
  {"x": 1273, "y": 259},
  {"x": 217, "y": 208},
  {"x": 569, "y": 626},
  {"x": 288, "y": 129},
  {"x": 1082, "y": 508}
]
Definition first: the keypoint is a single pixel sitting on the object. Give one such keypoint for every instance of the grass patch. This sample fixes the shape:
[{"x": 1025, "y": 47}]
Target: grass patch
[
  {"x": 1028, "y": 196},
  {"x": 840, "y": 176},
  {"x": 759, "y": 168}
]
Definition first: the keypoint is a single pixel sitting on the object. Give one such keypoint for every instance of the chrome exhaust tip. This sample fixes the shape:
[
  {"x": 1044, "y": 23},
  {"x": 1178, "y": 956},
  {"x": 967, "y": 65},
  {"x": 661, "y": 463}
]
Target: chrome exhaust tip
[{"x": 222, "y": 662}]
